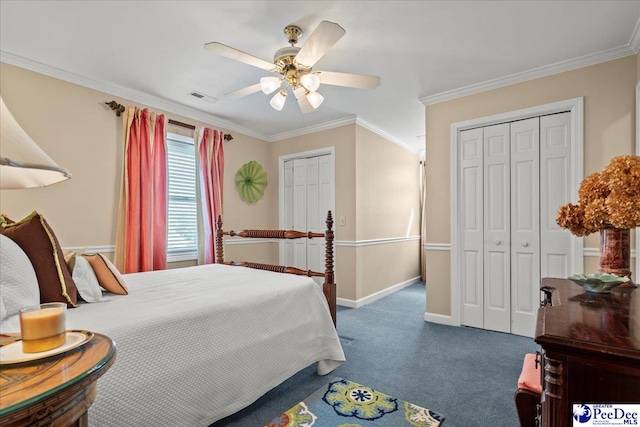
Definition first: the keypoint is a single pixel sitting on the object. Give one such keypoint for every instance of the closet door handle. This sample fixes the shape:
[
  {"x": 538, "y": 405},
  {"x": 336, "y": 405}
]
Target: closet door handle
[
  {"x": 525, "y": 243},
  {"x": 497, "y": 242}
]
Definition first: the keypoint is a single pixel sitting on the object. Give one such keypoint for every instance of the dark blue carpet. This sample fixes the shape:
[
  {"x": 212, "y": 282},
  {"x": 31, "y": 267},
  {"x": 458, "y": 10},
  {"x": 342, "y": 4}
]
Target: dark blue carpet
[{"x": 468, "y": 375}]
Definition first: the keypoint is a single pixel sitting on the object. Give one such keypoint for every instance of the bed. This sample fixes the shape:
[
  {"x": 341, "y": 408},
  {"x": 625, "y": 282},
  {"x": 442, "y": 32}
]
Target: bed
[{"x": 197, "y": 344}]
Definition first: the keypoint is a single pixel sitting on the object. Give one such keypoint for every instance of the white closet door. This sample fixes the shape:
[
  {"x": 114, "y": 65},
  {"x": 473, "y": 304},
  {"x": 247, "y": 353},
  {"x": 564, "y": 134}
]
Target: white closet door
[
  {"x": 512, "y": 178},
  {"x": 313, "y": 211},
  {"x": 308, "y": 195},
  {"x": 525, "y": 226},
  {"x": 497, "y": 226},
  {"x": 300, "y": 174},
  {"x": 555, "y": 149},
  {"x": 288, "y": 210},
  {"x": 317, "y": 221},
  {"x": 471, "y": 202}
]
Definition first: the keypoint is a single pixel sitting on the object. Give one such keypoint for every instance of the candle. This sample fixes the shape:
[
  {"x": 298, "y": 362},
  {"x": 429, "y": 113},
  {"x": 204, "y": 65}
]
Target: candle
[{"x": 43, "y": 327}]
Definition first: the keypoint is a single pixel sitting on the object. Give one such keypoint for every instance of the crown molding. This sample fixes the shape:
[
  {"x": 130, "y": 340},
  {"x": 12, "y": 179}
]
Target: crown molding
[
  {"x": 312, "y": 129},
  {"x": 386, "y": 135},
  {"x": 547, "y": 70},
  {"x": 130, "y": 94},
  {"x": 342, "y": 122},
  {"x": 634, "y": 40}
]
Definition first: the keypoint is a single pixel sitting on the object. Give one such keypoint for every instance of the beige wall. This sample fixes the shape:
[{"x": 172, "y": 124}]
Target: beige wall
[
  {"x": 73, "y": 125},
  {"x": 609, "y": 107},
  {"x": 387, "y": 188},
  {"x": 387, "y": 206},
  {"x": 377, "y": 193}
]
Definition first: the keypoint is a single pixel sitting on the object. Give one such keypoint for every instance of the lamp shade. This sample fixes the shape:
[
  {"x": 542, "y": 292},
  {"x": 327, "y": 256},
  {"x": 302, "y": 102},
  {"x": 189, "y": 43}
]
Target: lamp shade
[{"x": 22, "y": 163}]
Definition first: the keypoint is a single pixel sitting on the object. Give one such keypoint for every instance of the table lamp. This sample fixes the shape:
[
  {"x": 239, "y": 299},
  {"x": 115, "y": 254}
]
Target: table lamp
[{"x": 22, "y": 163}]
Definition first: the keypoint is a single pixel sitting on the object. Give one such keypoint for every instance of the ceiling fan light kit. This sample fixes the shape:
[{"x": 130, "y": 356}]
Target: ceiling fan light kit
[
  {"x": 315, "y": 99},
  {"x": 311, "y": 82},
  {"x": 294, "y": 64},
  {"x": 270, "y": 84},
  {"x": 278, "y": 100}
]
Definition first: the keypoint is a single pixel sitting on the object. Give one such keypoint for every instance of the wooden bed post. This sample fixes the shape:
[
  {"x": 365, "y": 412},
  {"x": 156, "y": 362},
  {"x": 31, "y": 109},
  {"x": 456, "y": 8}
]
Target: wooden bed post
[
  {"x": 219, "y": 236},
  {"x": 329, "y": 286}
]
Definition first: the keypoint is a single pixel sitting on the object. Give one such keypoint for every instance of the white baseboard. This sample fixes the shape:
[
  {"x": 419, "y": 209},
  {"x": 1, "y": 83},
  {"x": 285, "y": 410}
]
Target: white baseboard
[
  {"x": 344, "y": 302},
  {"x": 437, "y": 318}
]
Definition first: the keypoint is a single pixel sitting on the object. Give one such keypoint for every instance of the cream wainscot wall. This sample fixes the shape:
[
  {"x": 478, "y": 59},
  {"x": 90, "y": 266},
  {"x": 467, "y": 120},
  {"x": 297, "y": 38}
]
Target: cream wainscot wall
[{"x": 608, "y": 90}]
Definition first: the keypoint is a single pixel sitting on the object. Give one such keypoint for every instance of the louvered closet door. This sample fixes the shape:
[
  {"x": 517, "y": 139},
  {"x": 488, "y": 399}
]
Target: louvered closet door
[
  {"x": 525, "y": 225},
  {"x": 497, "y": 228}
]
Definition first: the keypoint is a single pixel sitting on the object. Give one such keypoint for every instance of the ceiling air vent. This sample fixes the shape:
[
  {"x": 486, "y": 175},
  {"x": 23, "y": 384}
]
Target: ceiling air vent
[{"x": 204, "y": 97}]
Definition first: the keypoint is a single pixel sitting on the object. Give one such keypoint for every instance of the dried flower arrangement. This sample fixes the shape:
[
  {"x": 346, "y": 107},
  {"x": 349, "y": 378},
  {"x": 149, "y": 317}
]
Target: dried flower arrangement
[{"x": 607, "y": 199}]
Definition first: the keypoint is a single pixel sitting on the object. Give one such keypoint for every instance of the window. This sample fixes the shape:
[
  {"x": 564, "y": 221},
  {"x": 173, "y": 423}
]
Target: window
[{"x": 182, "y": 214}]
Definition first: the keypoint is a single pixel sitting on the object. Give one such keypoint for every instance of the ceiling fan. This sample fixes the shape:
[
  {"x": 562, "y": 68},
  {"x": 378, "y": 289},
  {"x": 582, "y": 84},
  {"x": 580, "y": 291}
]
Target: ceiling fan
[{"x": 295, "y": 67}]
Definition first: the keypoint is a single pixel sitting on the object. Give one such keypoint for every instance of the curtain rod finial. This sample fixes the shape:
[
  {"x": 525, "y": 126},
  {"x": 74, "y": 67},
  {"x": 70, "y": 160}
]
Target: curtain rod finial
[
  {"x": 118, "y": 108},
  {"x": 227, "y": 137}
]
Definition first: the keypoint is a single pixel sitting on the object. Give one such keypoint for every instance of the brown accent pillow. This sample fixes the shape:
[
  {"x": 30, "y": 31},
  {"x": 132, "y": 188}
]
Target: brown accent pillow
[
  {"x": 36, "y": 238},
  {"x": 108, "y": 275}
]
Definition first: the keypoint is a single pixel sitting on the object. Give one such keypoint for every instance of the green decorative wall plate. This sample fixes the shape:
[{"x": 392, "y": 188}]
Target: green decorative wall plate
[{"x": 251, "y": 180}]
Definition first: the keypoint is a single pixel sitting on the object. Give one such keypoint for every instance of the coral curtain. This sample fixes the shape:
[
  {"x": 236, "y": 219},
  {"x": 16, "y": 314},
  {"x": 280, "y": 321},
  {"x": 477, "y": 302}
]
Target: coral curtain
[
  {"x": 141, "y": 241},
  {"x": 210, "y": 169}
]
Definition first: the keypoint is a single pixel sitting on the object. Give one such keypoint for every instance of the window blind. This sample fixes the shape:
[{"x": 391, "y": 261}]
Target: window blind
[{"x": 182, "y": 214}]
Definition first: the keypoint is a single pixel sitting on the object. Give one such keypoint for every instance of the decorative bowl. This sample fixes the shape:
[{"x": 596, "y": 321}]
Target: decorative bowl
[{"x": 600, "y": 283}]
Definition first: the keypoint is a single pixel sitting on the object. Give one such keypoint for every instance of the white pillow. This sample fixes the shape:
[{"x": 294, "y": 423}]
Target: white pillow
[
  {"x": 86, "y": 281},
  {"x": 3, "y": 308},
  {"x": 8, "y": 324},
  {"x": 18, "y": 281}
]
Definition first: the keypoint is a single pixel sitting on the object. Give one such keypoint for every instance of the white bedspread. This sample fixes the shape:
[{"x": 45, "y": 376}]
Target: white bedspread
[{"x": 197, "y": 344}]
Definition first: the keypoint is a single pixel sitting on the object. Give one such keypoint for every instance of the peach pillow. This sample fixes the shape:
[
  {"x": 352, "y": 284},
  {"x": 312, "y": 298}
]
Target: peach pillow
[{"x": 108, "y": 275}]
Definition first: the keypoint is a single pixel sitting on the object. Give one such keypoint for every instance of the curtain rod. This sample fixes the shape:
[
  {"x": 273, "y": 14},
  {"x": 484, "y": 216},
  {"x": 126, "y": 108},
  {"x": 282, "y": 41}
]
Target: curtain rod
[{"x": 119, "y": 109}]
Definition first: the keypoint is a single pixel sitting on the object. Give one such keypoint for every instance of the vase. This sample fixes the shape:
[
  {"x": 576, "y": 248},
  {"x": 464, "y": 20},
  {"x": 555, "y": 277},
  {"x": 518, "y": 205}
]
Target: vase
[{"x": 615, "y": 251}]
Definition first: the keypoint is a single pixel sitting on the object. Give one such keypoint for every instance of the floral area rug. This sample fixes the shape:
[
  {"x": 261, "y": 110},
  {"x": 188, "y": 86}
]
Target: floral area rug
[{"x": 343, "y": 403}]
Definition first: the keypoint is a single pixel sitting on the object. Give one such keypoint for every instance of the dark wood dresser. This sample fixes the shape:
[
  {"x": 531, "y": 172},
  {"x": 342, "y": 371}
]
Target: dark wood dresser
[{"x": 590, "y": 348}]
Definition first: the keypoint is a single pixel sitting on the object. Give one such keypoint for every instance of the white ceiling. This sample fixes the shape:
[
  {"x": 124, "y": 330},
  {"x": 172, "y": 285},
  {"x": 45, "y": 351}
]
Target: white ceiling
[{"x": 152, "y": 52}]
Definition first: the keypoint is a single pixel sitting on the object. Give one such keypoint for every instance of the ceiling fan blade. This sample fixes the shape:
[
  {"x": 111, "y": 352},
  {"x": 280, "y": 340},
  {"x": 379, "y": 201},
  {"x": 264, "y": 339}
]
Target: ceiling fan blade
[
  {"x": 359, "y": 81},
  {"x": 244, "y": 91},
  {"x": 304, "y": 104},
  {"x": 238, "y": 55},
  {"x": 319, "y": 42}
]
